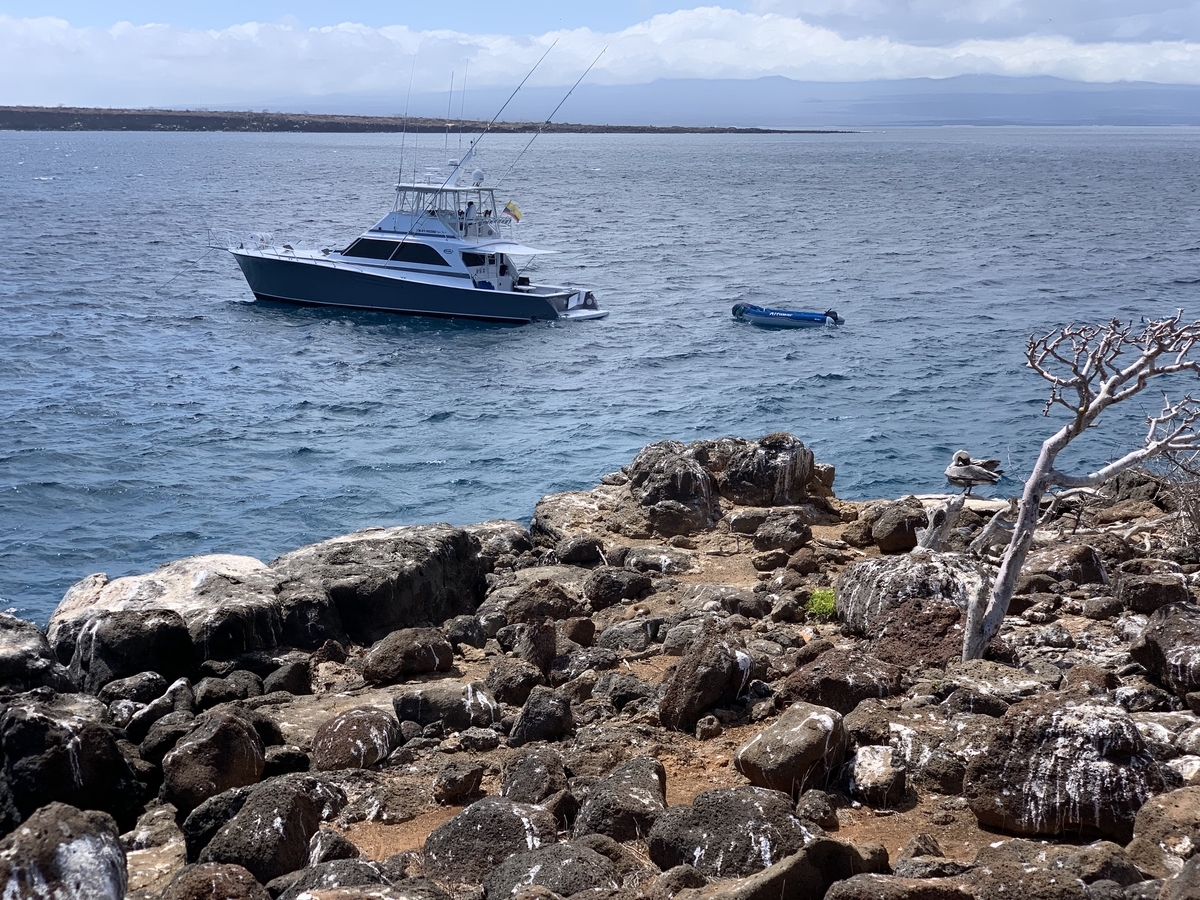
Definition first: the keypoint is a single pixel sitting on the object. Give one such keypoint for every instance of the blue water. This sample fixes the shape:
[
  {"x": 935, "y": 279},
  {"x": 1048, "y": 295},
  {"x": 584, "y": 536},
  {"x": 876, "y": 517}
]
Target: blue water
[{"x": 148, "y": 411}]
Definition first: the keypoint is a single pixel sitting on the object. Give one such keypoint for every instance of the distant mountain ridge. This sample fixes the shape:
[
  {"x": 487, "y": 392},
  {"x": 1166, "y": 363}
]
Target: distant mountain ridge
[{"x": 777, "y": 102}]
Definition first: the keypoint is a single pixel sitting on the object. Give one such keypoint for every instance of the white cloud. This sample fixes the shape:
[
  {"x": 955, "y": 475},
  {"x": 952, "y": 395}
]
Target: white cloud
[{"x": 48, "y": 61}]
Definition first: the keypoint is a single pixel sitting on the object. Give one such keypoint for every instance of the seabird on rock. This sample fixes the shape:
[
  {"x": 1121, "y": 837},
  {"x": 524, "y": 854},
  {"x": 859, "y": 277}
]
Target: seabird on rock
[{"x": 965, "y": 472}]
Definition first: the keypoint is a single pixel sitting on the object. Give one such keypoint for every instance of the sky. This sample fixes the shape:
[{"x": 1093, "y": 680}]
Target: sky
[{"x": 219, "y": 53}]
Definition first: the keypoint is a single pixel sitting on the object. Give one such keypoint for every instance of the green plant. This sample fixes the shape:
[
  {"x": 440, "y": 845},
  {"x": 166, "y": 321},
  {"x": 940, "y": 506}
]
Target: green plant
[{"x": 821, "y": 605}]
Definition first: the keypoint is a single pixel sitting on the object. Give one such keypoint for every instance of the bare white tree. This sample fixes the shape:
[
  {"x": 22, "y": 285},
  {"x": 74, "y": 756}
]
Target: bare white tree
[{"x": 1089, "y": 368}]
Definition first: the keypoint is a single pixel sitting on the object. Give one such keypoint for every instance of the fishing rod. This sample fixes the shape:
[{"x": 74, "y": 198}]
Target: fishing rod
[
  {"x": 542, "y": 128},
  {"x": 404, "y": 131},
  {"x": 475, "y": 143}
]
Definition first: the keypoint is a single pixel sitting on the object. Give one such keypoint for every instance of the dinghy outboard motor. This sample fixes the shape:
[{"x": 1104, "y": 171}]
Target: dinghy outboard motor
[
  {"x": 738, "y": 309},
  {"x": 832, "y": 316}
]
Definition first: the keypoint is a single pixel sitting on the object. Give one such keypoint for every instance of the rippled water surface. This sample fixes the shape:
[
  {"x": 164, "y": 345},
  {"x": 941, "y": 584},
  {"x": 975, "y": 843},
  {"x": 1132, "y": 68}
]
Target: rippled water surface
[{"x": 148, "y": 411}]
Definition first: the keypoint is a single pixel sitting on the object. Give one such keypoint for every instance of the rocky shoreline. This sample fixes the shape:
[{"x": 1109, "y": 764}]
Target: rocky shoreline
[{"x": 707, "y": 677}]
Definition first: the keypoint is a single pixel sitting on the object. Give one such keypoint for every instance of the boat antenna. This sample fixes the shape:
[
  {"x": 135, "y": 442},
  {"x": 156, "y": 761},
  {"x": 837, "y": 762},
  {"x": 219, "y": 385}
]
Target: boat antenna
[
  {"x": 453, "y": 176},
  {"x": 542, "y": 127},
  {"x": 462, "y": 105},
  {"x": 449, "y": 107},
  {"x": 404, "y": 131}
]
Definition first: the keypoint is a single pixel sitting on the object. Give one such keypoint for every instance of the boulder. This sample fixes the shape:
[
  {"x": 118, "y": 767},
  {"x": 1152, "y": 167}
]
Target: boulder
[
  {"x": 910, "y": 607},
  {"x": 1166, "y": 832},
  {"x": 355, "y": 739},
  {"x": 678, "y": 494},
  {"x": 728, "y": 832},
  {"x": 64, "y": 853},
  {"x": 546, "y": 716},
  {"x": 116, "y": 644},
  {"x": 220, "y": 751},
  {"x": 457, "y": 706},
  {"x": 538, "y": 600},
  {"x": 798, "y": 751},
  {"x": 379, "y": 580},
  {"x": 1062, "y": 764},
  {"x": 334, "y": 874},
  {"x": 294, "y": 677},
  {"x": 893, "y": 887},
  {"x": 472, "y": 844},
  {"x": 633, "y": 636},
  {"x": 26, "y": 660},
  {"x": 457, "y": 780},
  {"x": 786, "y": 531},
  {"x": 584, "y": 549},
  {"x": 660, "y": 560},
  {"x": 626, "y": 803},
  {"x": 214, "y": 881},
  {"x": 511, "y": 680},
  {"x": 608, "y": 585},
  {"x": 533, "y": 775},
  {"x": 1146, "y": 593},
  {"x": 1169, "y": 647},
  {"x": 713, "y": 669},
  {"x": 841, "y": 679},
  {"x": 409, "y": 651},
  {"x": 895, "y": 529},
  {"x": 877, "y": 777},
  {"x": 61, "y": 752},
  {"x": 1078, "y": 563},
  {"x": 141, "y": 688},
  {"x": 565, "y": 869},
  {"x": 775, "y": 470},
  {"x": 228, "y": 605},
  {"x": 270, "y": 833}
]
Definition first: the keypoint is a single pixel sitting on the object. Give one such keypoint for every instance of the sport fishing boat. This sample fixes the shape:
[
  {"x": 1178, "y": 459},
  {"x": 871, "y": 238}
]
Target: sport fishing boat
[
  {"x": 443, "y": 250},
  {"x": 785, "y": 318}
]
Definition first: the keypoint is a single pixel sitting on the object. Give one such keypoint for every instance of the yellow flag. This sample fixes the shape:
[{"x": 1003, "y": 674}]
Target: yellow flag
[{"x": 511, "y": 210}]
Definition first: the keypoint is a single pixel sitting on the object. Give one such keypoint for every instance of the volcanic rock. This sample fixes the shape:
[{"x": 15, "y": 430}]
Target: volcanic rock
[
  {"x": 489, "y": 831},
  {"x": 408, "y": 651},
  {"x": 26, "y": 660},
  {"x": 357, "y": 738},
  {"x": 1169, "y": 647},
  {"x": 796, "y": 752},
  {"x": 457, "y": 706},
  {"x": 565, "y": 869},
  {"x": 712, "y": 670},
  {"x": 220, "y": 751},
  {"x": 64, "y": 852},
  {"x": 626, "y": 803}
]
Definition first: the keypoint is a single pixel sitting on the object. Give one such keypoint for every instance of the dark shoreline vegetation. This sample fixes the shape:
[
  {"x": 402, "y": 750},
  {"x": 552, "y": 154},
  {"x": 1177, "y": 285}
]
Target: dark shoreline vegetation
[
  {"x": 706, "y": 678},
  {"x": 70, "y": 118}
]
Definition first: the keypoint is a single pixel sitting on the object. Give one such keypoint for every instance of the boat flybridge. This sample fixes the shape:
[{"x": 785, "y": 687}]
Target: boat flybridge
[{"x": 443, "y": 250}]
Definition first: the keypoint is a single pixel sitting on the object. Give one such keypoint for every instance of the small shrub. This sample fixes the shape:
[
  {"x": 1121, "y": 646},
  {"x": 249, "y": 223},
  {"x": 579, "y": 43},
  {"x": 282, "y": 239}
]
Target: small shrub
[{"x": 821, "y": 605}]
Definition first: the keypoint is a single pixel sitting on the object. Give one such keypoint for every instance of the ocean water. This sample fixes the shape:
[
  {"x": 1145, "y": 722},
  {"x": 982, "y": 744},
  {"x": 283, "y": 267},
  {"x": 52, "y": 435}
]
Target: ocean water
[{"x": 150, "y": 411}]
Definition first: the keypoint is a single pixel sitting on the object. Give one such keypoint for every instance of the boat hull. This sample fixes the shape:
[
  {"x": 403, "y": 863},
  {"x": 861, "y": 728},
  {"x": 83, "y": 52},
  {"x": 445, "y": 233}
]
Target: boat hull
[
  {"x": 319, "y": 283},
  {"x": 783, "y": 318}
]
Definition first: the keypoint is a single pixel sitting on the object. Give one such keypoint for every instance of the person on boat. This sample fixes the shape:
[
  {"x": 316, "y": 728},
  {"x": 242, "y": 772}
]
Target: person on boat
[{"x": 469, "y": 217}]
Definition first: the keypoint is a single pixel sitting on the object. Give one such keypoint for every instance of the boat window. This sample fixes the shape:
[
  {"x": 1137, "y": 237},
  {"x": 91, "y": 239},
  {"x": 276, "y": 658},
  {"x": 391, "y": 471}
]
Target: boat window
[
  {"x": 408, "y": 251},
  {"x": 370, "y": 249},
  {"x": 472, "y": 260}
]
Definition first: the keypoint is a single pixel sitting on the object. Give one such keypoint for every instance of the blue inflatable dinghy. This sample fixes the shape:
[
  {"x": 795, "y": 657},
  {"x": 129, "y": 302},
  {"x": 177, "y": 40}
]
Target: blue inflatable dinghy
[{"x": 784, "y": 318}]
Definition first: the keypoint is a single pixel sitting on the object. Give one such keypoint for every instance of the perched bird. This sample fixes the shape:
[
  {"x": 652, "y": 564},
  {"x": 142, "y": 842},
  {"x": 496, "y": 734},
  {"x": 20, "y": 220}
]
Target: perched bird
[{"x": 965, "y": 472}]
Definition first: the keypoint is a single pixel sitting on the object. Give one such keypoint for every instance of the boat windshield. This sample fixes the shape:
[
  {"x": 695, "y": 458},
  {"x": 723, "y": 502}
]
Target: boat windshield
[{"x": 467, "y": 211}]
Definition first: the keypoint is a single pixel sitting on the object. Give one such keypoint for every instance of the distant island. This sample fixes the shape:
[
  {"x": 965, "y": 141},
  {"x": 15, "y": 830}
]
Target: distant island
[{"x": 68, "y": 118}]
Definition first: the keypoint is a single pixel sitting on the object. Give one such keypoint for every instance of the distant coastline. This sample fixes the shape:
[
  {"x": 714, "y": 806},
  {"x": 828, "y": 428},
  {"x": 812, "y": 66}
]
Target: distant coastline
[{"x": 65, "y": 118}]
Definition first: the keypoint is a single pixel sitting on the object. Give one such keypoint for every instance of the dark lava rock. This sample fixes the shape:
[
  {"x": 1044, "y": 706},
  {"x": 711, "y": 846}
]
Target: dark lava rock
[
  {"x": 409, "y": 651},
  {"x": 117, "y": 644},
  {"x": 473, "y": 843},
  {"x": 608, "y": 585},
  {"x": 221, "y": 751},
  {"x": 165, "y": 734},
  {"x": 712, "y": 670},
  {"x": 625, "y": 804},
  {"x": 782, "y": 531},
  {"x": 270, "y": 833},
  {"x": 798, "y": 751},
  {"x": 816, "y": 806},
  {"x": 26, "y": 660},
  {"x": 665, "y": 473},
  {"x": 565, "y": 869},
  {"x": 841, "y": 679},
  {"x": 533, "y": 776},
  {"x": 382, "y": 579},
  {"x": 1166, "y": 832},
  {"x": 895, "y": 887},
  {"x": 51, "y": 755},
  {"x": 1169, "y": 647},
  {"x": 511, "y": 680},
  {"x": 1060, "y": 764},
  {"x": 178, "y": 699},
  {"x": 335, "y": 873},
  {"x": 355, "y": 739},
  {"x": 457, "y": 706},
  {"x": 64, "y": 852},
  {"x": 775, "y": 470},
  {"x": 214, "y": 881},
  {"x": 620, "y": 689},
  {"x": 327, "y": 845},
  {"x": 546, "y": 716},
  {"x": 728, "y": 832},
  {"x": 541, "y": 599},
  {"x": 1078, "y": 563},
  {"x": 294, "y": 676},
  {"x": 141, "y": 688},
  {"x": 210, "y": 817},
  {"x": 580, "y": 550},
  {"x": 895, "y": 531},
  {"x": 465, "y": 631},
  {"x": 457, "y": 780},
  {"x": 633, "y": 636},
  {"x": 877, "y": 777},
  {"x": 284, "y": 760},
  {"x": 1146, "y": 593}
]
